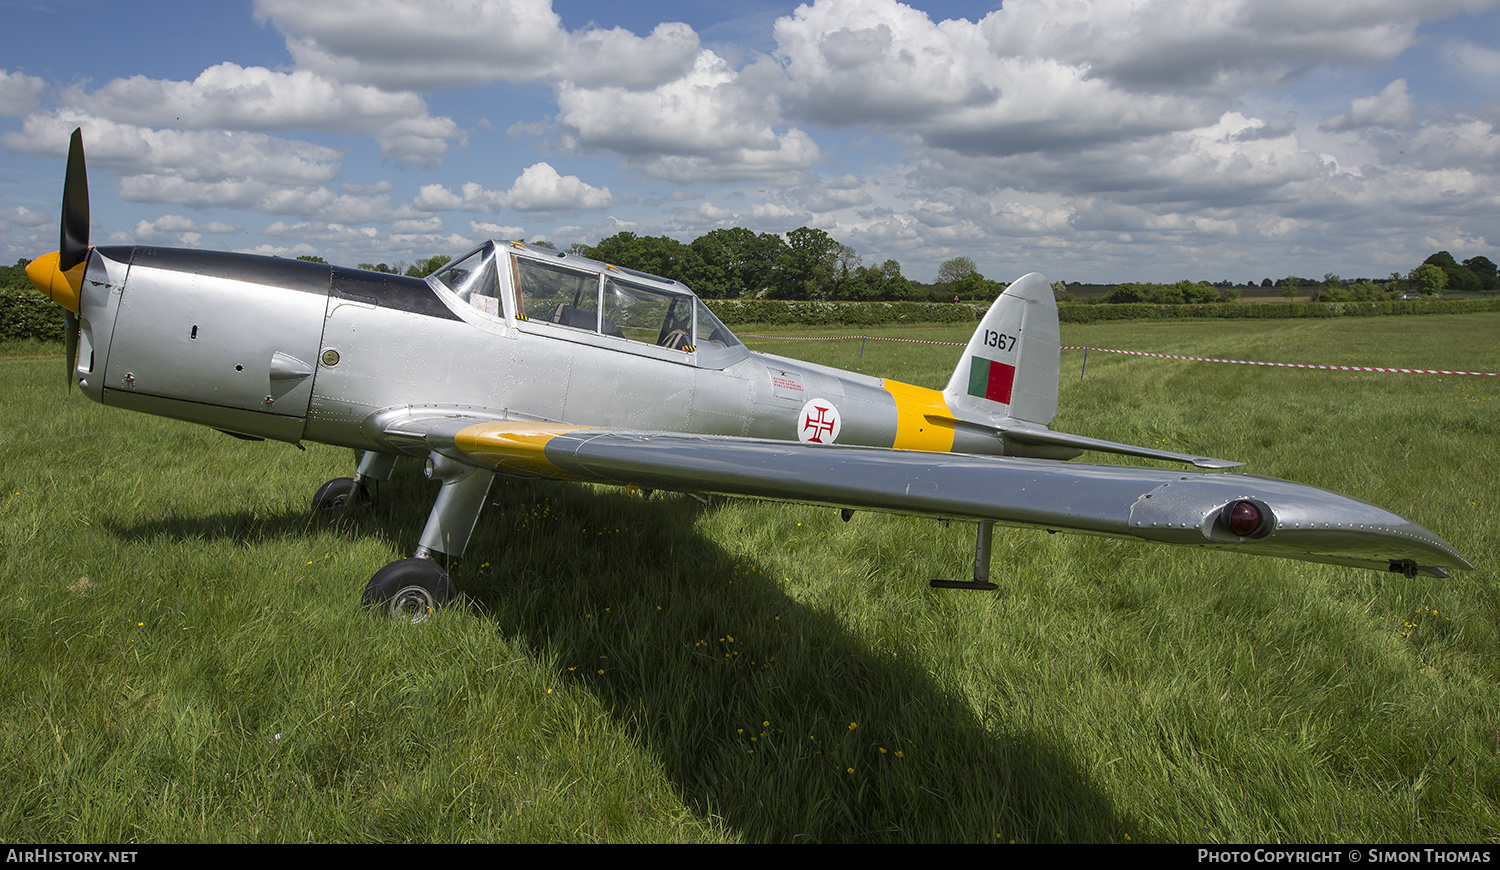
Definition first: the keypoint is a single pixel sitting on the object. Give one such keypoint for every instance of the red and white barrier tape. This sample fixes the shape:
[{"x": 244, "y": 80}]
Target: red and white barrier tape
[
  {"x": 1249, "y": 362},
  {"x": 1243, "y": 362}
]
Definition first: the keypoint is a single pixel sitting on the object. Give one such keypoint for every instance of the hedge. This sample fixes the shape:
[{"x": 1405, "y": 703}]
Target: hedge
[
  {"x": 783, "y": 312},
  {"x": 29, "y": 314},
  {"x": 1099, "y": 313}
]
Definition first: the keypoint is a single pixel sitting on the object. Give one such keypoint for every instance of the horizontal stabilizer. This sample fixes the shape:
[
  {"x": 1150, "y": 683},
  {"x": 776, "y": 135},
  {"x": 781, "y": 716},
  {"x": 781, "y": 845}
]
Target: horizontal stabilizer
[{"x": 1026, "y": 433}]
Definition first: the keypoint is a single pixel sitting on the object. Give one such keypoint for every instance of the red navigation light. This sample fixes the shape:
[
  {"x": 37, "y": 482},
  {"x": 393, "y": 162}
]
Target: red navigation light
[{"x": 1245, "y": 518}]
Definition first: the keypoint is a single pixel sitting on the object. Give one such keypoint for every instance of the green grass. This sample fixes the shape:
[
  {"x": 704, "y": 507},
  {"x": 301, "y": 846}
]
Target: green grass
[{"x": 184, "y": 657}]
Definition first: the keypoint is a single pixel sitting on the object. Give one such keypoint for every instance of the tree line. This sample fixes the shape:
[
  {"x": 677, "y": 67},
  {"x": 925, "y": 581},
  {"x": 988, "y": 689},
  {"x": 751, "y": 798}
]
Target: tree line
[
  {"x": 1438, "y": 274},
  {"x": 809, "y": 264},
  {"x": 805, "y": 264}
]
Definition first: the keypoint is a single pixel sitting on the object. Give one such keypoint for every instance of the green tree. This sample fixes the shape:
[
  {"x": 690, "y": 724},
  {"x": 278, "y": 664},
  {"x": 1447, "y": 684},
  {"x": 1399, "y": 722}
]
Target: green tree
[
  {"x": 14, "y": 277},
  {"x": 955, "y": 270},
  {"x": 309, "y": 258},
  {"x": 1428, "y": 279},
  {"x": 1459, "y": 278},
  {"x": 809, "y": 267},
  {"x": 737, "y": 262},
  {"x": 1489, "y": 280},
  {"x": 423, "y": 268},
  {"x": 896, "y": 287},
  {"x": 655, "y": 255}
]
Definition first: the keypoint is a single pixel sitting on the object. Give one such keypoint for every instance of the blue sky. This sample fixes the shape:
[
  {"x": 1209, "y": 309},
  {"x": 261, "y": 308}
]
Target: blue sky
[{"x": 1091, "y": 141}]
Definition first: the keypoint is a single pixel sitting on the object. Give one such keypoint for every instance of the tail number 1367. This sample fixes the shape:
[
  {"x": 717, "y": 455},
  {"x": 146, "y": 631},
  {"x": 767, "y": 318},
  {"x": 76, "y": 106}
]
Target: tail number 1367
[{"x": 999, "y": 340}]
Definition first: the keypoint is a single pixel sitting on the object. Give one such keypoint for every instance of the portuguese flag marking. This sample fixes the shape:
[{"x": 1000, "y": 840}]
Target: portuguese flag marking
[{"x": 990, "y": 380}]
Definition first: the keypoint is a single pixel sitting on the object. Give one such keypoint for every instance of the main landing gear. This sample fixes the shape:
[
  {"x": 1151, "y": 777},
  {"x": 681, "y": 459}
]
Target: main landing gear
[{"x": 412, "y": 589}]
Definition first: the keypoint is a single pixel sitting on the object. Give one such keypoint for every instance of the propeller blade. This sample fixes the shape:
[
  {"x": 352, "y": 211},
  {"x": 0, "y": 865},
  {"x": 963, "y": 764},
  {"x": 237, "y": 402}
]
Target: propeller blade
[
  {"x": 72, "y": 347},
  {"x": 73, "y": 246}
]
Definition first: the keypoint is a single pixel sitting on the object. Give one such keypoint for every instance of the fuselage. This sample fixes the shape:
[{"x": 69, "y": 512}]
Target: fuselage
[{"x": 291, "y": 350}]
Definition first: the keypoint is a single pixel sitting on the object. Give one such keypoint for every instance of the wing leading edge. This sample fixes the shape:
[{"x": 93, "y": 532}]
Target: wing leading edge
[{"x": 1152, "y": 504}]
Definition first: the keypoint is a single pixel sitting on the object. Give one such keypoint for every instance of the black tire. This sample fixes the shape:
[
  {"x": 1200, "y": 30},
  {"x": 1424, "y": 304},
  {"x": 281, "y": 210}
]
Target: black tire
[
  {"x": 339, "y": 493},
  {"x": 410, "y": 589}
]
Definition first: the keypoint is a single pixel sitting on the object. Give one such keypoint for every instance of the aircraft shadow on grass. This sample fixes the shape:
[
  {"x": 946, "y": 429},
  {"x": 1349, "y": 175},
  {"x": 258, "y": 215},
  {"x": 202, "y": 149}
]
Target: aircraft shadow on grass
[{"x": 694, "y": 699}]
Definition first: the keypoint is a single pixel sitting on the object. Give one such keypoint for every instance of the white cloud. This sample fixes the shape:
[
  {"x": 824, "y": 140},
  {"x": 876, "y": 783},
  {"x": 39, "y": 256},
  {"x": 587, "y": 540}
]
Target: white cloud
[
  {"x": 974, "y": 88},
  {"x": 21, "y": 216},
  {"x": 708, "y": 124},
  {"x": 489, "y": 230},
  {"x": 846, "y": 191},
  {"x": 19, "y": 93},
  {"x": 435, "y": 197},
  {"x": 413, "y": 225},
  {"x": 1055, "y": 75},
  {"x": 367, "y": 189},
  {"x": 1214, "y": 46},
  {"x": 709, "y": 212},
  {"x": 541, "y": 188},
  {"x": 1455, "y": 143},
  {"x": 190, "y": 155},
  {"x": 1391, "y": 107},
  {"x": 1476, "y": 61},
  {"x": 175, "y": 228},
  {"x": 230, "y": 97},
  {"x": 205, "y": 168},
  {"x": 407, "y": 45},
  {"x": 400, "y": 44},
  {"x": 879, "y": 61},
  {"x": 619, "y": 58}
]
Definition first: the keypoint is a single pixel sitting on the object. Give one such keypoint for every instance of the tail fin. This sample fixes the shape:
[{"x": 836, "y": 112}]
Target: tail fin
[
  {"x": 1007, "y": 380},
  {"x": 1010, "y": 368}
]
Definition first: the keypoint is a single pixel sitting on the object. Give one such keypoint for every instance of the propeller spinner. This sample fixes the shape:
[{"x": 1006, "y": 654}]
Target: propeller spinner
[{"x": 60, "y": 274}]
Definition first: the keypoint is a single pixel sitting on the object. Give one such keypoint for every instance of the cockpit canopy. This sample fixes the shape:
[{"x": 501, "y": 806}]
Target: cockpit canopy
[{"x": 508, "y": 280}]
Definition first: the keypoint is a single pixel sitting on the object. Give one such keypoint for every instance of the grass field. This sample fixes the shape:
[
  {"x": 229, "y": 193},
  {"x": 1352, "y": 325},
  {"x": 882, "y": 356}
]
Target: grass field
[{"x": 185, "y": 660}]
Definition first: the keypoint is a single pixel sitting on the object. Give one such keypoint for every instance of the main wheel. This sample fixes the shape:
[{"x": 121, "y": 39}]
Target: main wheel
[
  {"x": 410, "y": 589},
  {"x": 338, "y": 493}
]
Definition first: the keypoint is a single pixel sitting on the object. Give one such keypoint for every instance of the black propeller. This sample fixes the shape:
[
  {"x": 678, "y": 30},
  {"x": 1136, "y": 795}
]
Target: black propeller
[
  {"x": 59, "y": 275},
  {"x": 73, "y": 246},
  {"x": 73, "y": 243}
]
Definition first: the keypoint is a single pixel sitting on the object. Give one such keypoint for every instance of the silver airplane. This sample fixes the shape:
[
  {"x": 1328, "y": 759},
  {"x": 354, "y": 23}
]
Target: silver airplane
[{"x": 523, "y": 361}]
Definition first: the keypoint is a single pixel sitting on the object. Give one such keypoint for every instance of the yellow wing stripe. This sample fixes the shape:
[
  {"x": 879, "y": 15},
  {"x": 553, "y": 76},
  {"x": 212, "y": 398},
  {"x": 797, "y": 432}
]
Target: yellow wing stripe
[
  {"x": 922, "y": 418},
  {"x": 515, "y": 446}
]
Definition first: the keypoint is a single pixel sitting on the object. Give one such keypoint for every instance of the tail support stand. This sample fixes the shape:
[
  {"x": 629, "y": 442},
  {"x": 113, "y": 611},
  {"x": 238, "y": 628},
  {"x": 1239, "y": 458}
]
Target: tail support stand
[{"x": 981, "y": 579}]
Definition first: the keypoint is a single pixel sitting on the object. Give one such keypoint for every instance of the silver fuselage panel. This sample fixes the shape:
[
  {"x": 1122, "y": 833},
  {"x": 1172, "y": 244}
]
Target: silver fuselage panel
[{"x": 225, "y": 340}]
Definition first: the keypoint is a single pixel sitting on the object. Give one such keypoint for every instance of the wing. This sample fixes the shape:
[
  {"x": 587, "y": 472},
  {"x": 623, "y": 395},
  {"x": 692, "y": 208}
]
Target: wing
[{"x": 1168, "y": 506}]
